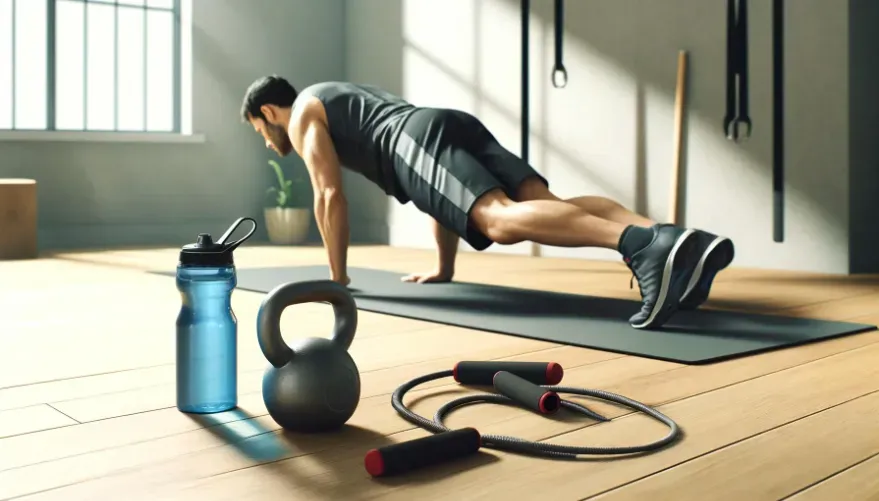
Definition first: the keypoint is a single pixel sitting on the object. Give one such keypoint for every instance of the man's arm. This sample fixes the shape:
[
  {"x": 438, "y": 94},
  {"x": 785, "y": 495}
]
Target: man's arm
[
  {"x": 446, "y": 249},
  {"x": 330, "y": 205}
]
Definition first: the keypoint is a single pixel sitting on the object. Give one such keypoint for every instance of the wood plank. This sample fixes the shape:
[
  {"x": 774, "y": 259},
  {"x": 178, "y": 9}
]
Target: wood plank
[
  {"x": 83, "y": 387},
  {"x": 30, "y": 419},
  {"x": 380, "y": 419},
  {"x": 850, "y": 307},
  {"x": 375, "y": 381},
  {"x": 776, "y": 464},
  {"x": 710, "y": 421},
  {"x": 858, "y": 483}
]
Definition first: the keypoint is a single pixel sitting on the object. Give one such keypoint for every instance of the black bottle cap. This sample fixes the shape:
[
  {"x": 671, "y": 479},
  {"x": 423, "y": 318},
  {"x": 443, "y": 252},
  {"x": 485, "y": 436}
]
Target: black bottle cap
[{"x": 205, "y": 252}]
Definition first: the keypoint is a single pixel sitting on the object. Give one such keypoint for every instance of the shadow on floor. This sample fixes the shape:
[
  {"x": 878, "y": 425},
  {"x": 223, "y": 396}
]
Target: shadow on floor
[{"x": 243, "y": 431}]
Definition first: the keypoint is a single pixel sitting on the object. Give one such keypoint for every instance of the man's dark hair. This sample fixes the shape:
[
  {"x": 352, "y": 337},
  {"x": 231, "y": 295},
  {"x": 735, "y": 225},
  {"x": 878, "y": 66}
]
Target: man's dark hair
[{"x": 266, "y": 90}]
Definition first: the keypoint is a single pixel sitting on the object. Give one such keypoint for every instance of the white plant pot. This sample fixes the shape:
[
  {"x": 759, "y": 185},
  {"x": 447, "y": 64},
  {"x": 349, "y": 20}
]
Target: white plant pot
[{"x": 287, "y": 225}]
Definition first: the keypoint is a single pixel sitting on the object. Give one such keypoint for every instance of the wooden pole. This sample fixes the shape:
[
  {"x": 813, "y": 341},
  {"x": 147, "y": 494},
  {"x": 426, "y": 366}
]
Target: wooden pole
[{"x": 680, "y": 101}]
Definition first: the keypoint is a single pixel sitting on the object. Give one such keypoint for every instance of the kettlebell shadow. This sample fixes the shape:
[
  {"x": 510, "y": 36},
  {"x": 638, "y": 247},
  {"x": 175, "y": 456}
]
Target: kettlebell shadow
[
  {"x": 243, "y": 431},
  {"x": 336, "y": 454},
  {"x": 324, "y": 442},
  {"x": 342, "y": 455}
]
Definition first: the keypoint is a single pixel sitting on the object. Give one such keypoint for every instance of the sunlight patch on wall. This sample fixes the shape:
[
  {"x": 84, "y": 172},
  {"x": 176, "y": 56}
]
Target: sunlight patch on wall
[
  {"x": 590, "y": 123},
  {"x": 445, "y": 30},
  {"x": 428, "y": 82}
]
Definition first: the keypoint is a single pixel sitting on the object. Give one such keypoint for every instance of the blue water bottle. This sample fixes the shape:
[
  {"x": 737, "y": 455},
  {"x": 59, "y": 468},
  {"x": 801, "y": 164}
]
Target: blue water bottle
[{"x": 207, "y": 330}]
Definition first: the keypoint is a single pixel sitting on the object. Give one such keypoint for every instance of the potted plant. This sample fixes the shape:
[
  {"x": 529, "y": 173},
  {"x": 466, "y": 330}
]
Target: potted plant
[{"x": 285, "y": 223}]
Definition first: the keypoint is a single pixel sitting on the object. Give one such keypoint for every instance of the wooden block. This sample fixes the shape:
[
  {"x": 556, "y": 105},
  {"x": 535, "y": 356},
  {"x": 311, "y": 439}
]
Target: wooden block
[{"x": 18, "y": 219}]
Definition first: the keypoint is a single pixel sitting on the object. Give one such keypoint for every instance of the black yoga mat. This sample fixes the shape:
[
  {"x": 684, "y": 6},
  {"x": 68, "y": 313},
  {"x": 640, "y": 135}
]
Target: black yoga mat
[{"x": 692, "y": 337}]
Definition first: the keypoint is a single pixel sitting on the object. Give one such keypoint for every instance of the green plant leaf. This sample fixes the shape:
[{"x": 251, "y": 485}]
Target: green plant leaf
[
  {"x": 283, "y": 191},
  {"x": 279, "y": 173}
]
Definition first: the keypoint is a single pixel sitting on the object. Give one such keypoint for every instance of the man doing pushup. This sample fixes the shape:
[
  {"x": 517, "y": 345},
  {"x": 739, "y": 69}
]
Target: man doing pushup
[{"x": 451, "y": 167}]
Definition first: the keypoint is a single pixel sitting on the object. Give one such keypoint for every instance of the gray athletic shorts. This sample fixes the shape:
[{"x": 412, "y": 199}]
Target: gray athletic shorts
[{"x": 446, "y": 159}]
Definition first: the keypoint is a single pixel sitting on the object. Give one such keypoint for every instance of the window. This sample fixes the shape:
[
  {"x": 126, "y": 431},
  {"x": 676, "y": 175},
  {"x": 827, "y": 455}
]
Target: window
[{"x": 90, "y": 65}]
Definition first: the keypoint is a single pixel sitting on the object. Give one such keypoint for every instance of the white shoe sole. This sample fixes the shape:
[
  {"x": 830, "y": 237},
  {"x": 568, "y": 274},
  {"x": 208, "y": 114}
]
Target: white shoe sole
[{"x": 666, "y": 280}]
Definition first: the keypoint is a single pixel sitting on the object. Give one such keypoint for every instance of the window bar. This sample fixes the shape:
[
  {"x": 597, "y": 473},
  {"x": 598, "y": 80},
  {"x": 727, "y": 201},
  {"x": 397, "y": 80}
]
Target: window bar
[
  {"x": 127, "y": 6},
  {"x": 144, "y": 66},
  {"x": 13, "y": 64},
  {"x": 115, "y": 65},
  {"x": 85, "y": 65},
  {"x": 177, "y": 69},
  {"x": 50, "y": 65}
]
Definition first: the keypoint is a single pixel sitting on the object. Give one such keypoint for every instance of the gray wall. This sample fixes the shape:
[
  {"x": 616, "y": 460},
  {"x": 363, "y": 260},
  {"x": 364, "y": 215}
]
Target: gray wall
[
  {"x": 609, "y": 131},
  {"x": 95, "y": 194}
]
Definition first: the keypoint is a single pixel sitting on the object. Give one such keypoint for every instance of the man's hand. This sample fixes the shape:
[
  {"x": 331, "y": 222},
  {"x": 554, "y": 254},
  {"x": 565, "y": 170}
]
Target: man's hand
[
  {"x": 346, "y": 280},
  {"x": 435, "y": 276},
  {"x": 446, "y": 250}
]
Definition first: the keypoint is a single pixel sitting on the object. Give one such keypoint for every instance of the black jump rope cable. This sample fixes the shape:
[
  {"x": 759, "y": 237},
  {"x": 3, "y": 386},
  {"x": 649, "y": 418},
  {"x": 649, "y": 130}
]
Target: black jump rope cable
[{"x": 517, "y": 383}]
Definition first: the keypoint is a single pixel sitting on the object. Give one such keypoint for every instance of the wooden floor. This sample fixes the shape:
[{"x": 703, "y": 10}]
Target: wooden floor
[{"x": 87, "y": 394}]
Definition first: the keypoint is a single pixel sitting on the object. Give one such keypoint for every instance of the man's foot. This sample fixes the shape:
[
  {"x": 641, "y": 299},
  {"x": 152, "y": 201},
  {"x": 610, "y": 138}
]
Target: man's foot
[
  {"x": 663, "y": 266},
  {"x": 715, "y": 254}
]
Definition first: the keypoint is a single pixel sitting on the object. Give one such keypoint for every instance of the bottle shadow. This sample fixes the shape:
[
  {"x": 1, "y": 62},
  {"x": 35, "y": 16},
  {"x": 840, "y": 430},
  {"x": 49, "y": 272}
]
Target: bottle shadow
[{"x": 243, "y": 431}]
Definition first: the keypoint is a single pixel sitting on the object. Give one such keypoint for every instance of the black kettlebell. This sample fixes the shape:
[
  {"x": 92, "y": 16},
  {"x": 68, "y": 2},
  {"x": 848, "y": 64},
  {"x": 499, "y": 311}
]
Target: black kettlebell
[{"x": 313, "y": 385}]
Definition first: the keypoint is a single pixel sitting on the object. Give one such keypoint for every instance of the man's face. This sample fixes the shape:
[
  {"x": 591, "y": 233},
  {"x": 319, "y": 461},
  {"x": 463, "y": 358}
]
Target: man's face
[{"x": 275, "y": 136}]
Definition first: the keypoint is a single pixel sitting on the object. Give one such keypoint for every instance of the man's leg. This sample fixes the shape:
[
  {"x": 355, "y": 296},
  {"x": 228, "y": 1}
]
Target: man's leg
[
  {"x": 716, "y": 252},
  {"x": 609, "y": 209},
  {"x": 535, "y": 189},
  {"x": 547, "y": 222},
  {"x": 661, "y": 257}
]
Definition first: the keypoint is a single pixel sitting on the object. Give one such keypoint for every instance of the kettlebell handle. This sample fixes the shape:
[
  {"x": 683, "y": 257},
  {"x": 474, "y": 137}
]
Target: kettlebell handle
[{"x": 268, "y": 323}]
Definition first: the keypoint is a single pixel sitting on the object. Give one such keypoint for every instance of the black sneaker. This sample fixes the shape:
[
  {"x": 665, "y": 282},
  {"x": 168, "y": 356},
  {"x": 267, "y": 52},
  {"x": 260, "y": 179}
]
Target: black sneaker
[
  {"x": 663, "y": 269},
  {"x": 715, "y": 254}
]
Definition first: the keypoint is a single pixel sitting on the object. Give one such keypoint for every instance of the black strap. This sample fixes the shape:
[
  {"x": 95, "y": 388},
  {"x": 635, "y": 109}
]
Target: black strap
[
  {"x": 730, "y": 64},
  {"x": 559, "y": 73},
  {"x": 737, "y": 122},
  {"x": 742, "y": 59},
  {"x": 778, "y": 120},
  {"x": 526, "y": 91}
]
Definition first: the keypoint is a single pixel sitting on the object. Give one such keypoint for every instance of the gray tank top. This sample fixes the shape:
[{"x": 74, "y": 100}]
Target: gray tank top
[{"x": 364, "y": 123}]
